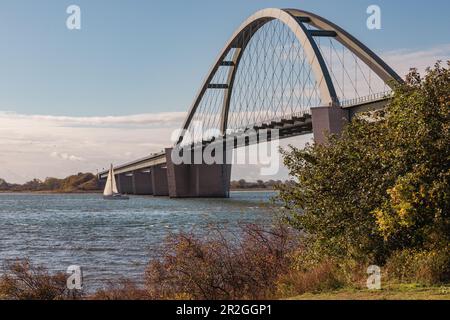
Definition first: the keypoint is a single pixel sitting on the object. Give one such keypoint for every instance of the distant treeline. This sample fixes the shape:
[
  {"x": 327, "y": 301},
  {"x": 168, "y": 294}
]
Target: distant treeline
[
  {"x": 270, "y": 184},
  {"x": 82, "y": 182},
  {"x": 88, "y": 182}
]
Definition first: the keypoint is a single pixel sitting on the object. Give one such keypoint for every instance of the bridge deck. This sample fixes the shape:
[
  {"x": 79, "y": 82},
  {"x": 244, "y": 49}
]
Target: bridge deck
[{"x": 140, "y": 164}]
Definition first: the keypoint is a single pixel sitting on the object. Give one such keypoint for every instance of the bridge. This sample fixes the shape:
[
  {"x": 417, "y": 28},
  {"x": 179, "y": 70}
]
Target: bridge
[{"x": 283, "y": 69}]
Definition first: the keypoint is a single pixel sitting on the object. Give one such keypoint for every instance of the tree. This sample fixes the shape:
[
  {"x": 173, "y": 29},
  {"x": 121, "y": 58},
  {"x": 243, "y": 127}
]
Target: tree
[
  {"x": 384, "y": 184},
  {"x": 242, "y": 183}
]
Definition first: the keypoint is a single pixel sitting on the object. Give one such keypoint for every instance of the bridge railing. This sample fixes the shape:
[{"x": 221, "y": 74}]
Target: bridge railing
[
  {"x": 268, "y": 121},
  {"x": 366, "y": 99},
  {"x": 236, "y": 132}
]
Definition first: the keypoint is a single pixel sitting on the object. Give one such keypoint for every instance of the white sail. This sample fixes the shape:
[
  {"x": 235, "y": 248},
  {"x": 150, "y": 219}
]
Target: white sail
[
  {"x": 111, "y": 186},
  {"x": 108, "y": 187}
]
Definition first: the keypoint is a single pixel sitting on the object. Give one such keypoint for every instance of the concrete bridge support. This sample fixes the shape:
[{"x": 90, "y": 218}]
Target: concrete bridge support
[
  {"x": 142, "y": 182},
  {"x": 125, "y": 183},
  {"x": 197, "y": 180},
  {"x": 328, "y": 120},
  {"x": 159, "y": 181},
  {"x": 118, "y": 184}
]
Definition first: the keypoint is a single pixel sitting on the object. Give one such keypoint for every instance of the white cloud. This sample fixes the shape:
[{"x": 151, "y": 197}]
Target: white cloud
[
  {"x": 66, "y": 156},
  {"x": 403, "y": 59},
  {"x": 33, "y": 146},
  {"x": 158, "y": 119}
]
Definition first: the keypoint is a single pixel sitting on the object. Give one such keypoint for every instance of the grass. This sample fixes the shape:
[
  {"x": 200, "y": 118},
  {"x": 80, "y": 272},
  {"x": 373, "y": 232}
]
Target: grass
[{"x": 389, "y": 292}]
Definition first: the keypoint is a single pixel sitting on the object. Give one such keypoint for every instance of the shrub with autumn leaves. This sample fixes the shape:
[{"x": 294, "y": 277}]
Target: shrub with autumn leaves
[{"x": 383, "y": 186}]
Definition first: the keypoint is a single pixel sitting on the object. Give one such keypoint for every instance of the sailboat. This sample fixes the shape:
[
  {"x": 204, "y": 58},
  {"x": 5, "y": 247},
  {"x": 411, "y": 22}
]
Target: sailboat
[{"x": 111, "y": 192}]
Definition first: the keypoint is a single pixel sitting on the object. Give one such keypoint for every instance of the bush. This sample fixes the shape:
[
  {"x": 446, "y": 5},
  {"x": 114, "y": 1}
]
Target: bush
[
  {"x": 383, "y": 185},
  {"x": 325, "y": 276},
  {"x": 125, "y": 289},
  {"x": 23, "y": 281},
  {"x": 221, "y": 268},
  {"x": 419, "y": 266}
]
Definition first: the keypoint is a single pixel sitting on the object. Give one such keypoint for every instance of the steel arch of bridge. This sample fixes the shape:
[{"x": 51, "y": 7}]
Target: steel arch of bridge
[{"x": 294, "y": 19}]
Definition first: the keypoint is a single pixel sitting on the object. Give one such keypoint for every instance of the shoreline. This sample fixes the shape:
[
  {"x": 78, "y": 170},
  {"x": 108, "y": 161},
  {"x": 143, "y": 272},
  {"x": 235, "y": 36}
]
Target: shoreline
[
  {"x": 49, "y": 192},
  {"x": 253, "y": 190},
  {"x": 100, "y": 192}
]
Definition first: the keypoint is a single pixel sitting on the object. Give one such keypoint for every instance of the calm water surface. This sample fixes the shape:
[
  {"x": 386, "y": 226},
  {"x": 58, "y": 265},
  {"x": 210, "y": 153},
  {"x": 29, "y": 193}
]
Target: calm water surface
[{"x": 113, "y": 239}]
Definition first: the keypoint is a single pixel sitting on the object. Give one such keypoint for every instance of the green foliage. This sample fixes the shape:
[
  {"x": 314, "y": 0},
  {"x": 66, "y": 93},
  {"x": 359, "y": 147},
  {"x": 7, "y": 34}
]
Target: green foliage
[
  {"x": 384, "y": 184},
  {"x": 324, "y": 277},
  {"x": 419, "y": 266},
  {"x": 242, "y": 184}
]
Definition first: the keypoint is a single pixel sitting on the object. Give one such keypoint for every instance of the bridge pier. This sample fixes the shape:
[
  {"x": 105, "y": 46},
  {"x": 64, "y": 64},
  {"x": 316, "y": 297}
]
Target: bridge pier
[
  {"x": 142, "y": 182},
  {"x": 118, "y": 184},
  {"x": 125, "y": 183},
  {"x": 197, "y": 180},
  {"x": 159, "y": 181},
  {"x": 328, "y": 120}
]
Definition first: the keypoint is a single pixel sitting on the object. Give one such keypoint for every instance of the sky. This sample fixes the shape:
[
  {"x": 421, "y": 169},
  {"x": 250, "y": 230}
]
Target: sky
[{"x": 76, "y": 100}]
